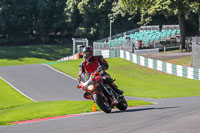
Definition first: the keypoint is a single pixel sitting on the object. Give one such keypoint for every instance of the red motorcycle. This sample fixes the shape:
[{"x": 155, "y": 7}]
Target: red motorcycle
[{"x": 102, "y": 94}]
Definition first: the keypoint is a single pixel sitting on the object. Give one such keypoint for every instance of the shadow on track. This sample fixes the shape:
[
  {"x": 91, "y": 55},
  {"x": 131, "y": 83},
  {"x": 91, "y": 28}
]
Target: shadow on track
[{"x": 143, "y": 109}]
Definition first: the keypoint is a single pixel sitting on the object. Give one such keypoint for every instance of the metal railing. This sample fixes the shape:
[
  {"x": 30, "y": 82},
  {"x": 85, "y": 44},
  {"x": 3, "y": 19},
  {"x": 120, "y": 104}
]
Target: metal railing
[
  {"x": 119, "y": 35},
  {"x": 115, "y": 45}
]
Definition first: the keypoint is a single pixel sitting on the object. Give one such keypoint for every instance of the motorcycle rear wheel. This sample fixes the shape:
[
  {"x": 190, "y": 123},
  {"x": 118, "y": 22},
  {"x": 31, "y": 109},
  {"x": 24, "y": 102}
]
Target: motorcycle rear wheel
[
  {"x": 122, "y": 105},
  {"x": 102, "y": 103}
]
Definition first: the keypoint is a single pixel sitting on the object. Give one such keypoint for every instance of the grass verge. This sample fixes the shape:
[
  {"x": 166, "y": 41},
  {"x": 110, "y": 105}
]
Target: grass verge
[
  {"x": 48, "y": 109},
  {"x": 184, "y": 61},
  {"x": 10, "y": 97},
  {"x": 33, "y": 54},
  {"x": 139, "y": 81}
]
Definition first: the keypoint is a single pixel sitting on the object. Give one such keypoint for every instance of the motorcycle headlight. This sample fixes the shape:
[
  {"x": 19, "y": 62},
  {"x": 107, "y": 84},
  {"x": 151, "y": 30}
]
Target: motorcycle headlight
[{"x": 90, "y": 87}]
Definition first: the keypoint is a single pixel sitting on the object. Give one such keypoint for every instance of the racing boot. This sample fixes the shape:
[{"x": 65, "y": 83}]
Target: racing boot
[{"x": 115, "y": 88}]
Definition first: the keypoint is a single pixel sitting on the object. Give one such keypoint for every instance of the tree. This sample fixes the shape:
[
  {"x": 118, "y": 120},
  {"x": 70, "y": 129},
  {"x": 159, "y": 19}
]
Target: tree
[
  {"x": 149, "y": 8},
  {"x": 94, "y": 14},
  {"x": 199, "y": 19},
  {"x": 196, "y": 8},
  {"x": 91, "y": 18},
  {"x": 72, "y": 14},
  {"x": 16, "y": 19}
]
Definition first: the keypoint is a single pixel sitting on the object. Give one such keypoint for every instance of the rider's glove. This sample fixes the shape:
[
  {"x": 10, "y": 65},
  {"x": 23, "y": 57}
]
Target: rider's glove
[
  {"x": 100, "y": 68},
  {"x": 77, "y": 86}
]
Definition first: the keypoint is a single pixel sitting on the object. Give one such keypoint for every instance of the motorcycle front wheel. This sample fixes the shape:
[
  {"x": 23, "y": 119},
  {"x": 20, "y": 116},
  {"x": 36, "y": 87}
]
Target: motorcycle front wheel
[{"x": 102, "y": 103}]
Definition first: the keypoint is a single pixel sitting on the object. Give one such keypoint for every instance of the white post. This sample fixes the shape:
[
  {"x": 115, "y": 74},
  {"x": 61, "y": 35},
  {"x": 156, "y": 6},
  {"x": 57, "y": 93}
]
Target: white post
[
  {"x": 74, "y": 42},
  {"x": 111, "y": 28},
  {"x": 86, "y": 41}
]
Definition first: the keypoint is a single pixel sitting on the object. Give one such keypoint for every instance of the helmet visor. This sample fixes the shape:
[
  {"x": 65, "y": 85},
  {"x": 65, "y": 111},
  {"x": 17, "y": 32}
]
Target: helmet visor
[{"x": 86, "y": 55}]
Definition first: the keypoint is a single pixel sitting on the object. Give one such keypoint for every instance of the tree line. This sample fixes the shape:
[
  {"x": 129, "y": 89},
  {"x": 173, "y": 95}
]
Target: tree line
[{"x": 50, "y": 21}]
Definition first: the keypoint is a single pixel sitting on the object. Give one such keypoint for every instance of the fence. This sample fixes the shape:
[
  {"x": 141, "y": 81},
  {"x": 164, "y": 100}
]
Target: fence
[
  {"x": 127, "y": 45},
  {"x": 170, "y": 27},
  {"x": 178, "y": 70},
  {"x": 150, "y": 27},
  {"x": 119, "y": 35}
]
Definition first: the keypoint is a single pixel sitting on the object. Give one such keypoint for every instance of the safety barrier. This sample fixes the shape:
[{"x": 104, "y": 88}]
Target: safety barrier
[
  {"x": 108, "y": 53},
  {"x": 72, "y": 57},
  {"x": 178, "y": 70}
]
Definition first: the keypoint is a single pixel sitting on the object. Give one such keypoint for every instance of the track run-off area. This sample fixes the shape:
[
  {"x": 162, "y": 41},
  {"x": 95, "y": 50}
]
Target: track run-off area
[{"x": 43, "y": 83}]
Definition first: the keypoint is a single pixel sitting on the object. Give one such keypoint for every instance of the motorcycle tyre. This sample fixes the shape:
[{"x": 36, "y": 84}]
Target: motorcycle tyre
[
  {"x": 100, "y": 102},
  {"x": 122, "y": 105}
]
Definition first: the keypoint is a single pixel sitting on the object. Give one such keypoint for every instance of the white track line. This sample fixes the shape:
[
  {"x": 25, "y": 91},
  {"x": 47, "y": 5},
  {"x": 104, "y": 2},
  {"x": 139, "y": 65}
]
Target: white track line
[
  {"x": 59, "y": 71},
  {"x": 18, "y": 90}
]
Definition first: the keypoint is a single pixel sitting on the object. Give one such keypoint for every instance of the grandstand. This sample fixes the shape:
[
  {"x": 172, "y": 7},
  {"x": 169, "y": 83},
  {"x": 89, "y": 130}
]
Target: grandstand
[{"x": 145, "y": 37}]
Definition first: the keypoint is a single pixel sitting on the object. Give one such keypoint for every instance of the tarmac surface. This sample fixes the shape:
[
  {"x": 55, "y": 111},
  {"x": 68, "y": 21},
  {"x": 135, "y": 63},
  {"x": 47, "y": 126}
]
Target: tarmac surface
[
  {"x": 41, "y": 83},
  {"x": 167, "y": 55}
]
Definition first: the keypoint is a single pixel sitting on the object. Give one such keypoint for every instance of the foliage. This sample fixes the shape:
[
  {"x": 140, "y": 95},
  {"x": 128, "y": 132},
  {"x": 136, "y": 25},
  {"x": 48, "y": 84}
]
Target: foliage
[
  {"x": 30, "y": 19},
  {"x": 27, "y": 21},
  {"x": 149, "y": 8},
  {"x": 88, "y": 16}
]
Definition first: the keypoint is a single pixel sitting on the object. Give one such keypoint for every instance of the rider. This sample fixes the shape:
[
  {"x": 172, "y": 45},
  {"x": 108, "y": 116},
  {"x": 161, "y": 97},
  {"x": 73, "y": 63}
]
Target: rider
[{"x": 92, "y": 63}]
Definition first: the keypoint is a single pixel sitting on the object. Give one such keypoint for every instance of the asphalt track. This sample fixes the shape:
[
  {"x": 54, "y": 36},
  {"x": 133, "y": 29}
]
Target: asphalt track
[
  {"x": 41, "y": 83},
  {"x": 173, "y": 115}
]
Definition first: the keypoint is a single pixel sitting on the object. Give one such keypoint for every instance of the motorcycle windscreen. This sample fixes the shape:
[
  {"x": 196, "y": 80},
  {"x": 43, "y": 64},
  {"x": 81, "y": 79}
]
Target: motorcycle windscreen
[{"x": 85, "y": 76}]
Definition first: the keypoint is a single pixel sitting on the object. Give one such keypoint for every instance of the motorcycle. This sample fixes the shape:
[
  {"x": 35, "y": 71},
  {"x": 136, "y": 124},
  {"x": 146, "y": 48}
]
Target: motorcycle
[{"x": 102, "y": 94}]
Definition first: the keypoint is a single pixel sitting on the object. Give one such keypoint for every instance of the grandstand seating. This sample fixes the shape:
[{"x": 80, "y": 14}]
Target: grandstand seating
[{"x": 147, "y": 34}]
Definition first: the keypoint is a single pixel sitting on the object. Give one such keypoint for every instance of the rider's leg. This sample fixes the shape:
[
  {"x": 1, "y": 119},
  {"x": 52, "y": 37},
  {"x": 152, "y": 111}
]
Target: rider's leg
[
  {"x": 116, "y": 89},
  {"x": 110, "y": 82}
]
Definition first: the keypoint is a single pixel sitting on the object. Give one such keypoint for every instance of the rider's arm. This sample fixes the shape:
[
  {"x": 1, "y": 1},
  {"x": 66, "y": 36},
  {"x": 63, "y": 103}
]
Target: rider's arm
[
  {"x": 81, "y": 70},
  {"x": 103, "y": 62}
]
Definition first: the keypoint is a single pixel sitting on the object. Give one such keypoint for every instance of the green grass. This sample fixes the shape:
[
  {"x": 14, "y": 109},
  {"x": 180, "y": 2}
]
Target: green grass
[
  {"x": 69, "y": 67},
  {"x": 33, "y": 54},
  {"x": 10, "y": 97},
  {"x": 139, "y": 81},
  {"x": 184, "y": 61},
  {"x": 48, "y": 109}
]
